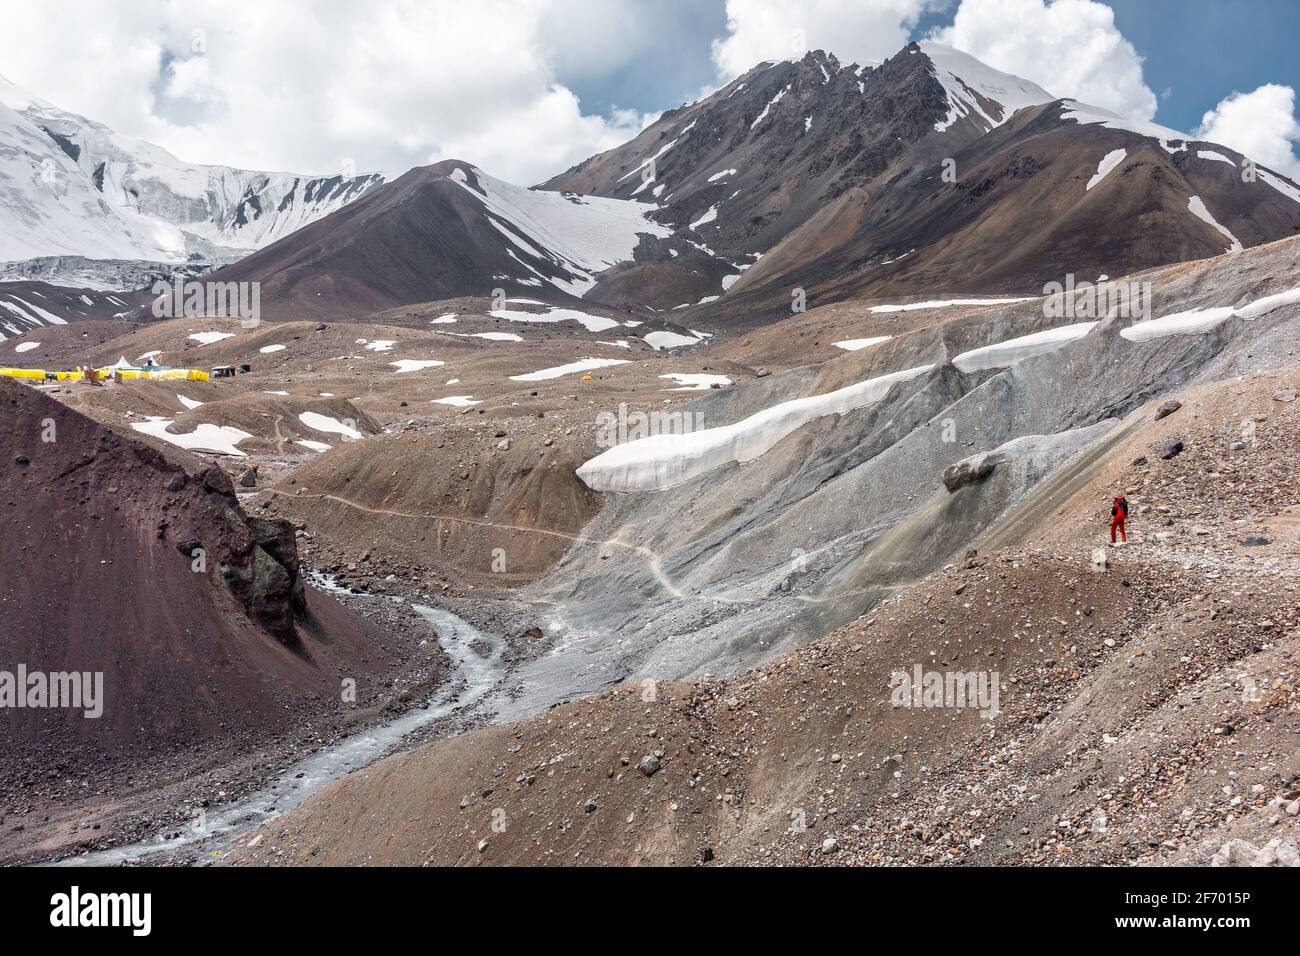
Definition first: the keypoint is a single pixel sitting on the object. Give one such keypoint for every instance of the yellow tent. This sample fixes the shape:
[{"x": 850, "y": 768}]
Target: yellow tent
[
  {"x": 165, "y": 375},
  {"x": 37, "y": 373},
  {"x": 106, "y": 373}
]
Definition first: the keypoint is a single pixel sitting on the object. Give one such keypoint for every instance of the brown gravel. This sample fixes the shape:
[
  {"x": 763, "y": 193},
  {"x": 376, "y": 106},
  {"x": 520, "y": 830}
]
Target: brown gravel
[{"x": 1149, "y": 709}]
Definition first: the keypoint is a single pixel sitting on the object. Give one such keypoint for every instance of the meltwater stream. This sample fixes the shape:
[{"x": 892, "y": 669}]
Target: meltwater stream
[{"x": 477, "y": 668}]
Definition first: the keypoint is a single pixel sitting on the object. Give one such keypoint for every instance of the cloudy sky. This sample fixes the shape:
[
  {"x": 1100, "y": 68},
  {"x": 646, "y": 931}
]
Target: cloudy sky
[{"x": 526, "y": 88}]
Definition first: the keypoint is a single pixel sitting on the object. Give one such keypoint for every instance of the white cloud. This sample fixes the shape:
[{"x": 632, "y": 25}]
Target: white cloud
[
  {"x": 307, "y": 85},
  {"x": 854, "y": 30},
  {"x": 587, "y": 40},
  {"x": 1260, "y": 125},
  {"x": 1071, "y": 48}
]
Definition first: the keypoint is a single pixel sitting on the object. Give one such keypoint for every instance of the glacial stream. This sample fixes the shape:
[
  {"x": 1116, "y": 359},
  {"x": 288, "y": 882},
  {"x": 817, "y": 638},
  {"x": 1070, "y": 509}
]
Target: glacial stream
[{"x": 473, "y": 677}]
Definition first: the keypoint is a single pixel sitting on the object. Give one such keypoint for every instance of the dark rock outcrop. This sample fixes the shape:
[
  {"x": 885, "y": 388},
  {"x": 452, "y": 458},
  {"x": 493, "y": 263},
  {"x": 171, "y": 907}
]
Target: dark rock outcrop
[{"x": 121, "y": 563}]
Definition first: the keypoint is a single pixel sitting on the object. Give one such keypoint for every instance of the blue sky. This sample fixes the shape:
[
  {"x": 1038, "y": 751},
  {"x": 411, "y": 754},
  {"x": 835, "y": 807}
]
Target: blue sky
[{"x": 1199, "y": 51}]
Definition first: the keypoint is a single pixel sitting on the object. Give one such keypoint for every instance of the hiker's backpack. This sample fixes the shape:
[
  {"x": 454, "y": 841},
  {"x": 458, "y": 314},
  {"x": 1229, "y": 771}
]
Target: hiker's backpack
[{"x": 1123, "y": 506}]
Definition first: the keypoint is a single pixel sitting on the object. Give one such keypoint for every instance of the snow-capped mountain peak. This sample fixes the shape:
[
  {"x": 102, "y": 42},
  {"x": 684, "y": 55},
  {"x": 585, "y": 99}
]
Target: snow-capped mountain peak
[
  {"x": 74, "y": 187},
  {"x": 976, "y": 90}
]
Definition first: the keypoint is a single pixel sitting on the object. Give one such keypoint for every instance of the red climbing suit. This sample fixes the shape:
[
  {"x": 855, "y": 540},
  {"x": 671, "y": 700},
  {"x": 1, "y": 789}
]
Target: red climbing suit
[{"x": 1118, "y": 515}]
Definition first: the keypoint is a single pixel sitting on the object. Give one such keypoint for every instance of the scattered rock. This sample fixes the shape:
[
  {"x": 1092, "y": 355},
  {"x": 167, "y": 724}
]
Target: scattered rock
[
  {"x": 1285, "y": 395},
  {"x": 1168, "y": 408},
  {"x": 1172, "y": 450},
  {"x": 1279, "y": 851},
  {"x": 649, "y": 765}
]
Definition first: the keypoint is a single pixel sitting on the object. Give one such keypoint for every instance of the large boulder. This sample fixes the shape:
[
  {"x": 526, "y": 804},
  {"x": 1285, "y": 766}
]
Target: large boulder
[{"x": 970, "y": 471}]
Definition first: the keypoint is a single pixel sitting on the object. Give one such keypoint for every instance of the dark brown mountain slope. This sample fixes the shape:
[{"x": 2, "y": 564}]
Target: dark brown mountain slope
[
  {"x": 119, "y": 562},
  {"x": 928, "y": 173},
  {"x": 1020, "y": 214},
  {"x": 835, "y": 176},
  {"x": 441, "y": 232}
]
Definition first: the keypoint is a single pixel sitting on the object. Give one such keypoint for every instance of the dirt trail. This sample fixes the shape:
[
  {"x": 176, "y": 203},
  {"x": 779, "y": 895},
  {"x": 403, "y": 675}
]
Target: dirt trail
[
  {"x": 455, "y": 519},
  {"x": 652, "y": 559}
]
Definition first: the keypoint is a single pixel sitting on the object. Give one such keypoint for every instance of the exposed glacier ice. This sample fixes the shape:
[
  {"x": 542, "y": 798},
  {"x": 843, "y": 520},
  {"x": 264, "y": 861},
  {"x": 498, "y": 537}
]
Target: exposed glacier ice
[
  {"x": 662, "y": 461},
  {"x": 1003, "y": 354}
]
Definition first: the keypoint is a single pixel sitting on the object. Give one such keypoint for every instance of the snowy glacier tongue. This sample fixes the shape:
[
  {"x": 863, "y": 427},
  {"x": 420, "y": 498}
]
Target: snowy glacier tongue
[
  {"x": 662, "y": 461},
  {"x": 945, "y": 304},
  {"x": 1083, "y": 113},
  {"x": 1196, "y": 321},
  {"x": 1196, "y": 206},
  {"x": 1003, "y": 354}
]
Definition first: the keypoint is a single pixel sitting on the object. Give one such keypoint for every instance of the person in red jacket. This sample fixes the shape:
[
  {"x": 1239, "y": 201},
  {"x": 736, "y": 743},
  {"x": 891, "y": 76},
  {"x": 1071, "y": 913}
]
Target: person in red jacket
[{"x": 1118, "y": 516}]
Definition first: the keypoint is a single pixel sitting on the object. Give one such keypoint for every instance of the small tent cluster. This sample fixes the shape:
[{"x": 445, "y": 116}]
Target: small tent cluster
[{"x": 123, "y": 369}]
